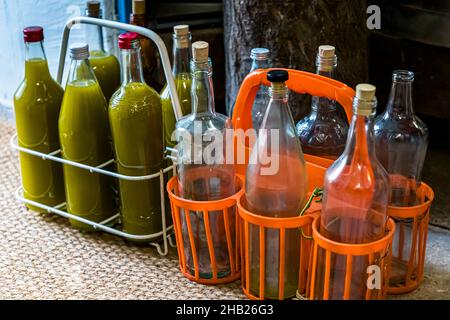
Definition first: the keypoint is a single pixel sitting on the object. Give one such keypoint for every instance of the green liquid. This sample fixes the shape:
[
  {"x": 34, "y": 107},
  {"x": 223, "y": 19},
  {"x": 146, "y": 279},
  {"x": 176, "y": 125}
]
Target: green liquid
[
  {"x": 183, "y": 84},
  {"x": 107, "y": 71},
  {"x": 136, "y": 123},
  {"x": 85, "y": 138},
  {"x": 37, "y": 102}
]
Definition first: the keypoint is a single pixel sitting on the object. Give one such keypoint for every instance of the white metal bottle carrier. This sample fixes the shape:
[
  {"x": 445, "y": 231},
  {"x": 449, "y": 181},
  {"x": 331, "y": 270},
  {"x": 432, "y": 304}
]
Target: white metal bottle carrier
[{"x": 164, "y": 234}]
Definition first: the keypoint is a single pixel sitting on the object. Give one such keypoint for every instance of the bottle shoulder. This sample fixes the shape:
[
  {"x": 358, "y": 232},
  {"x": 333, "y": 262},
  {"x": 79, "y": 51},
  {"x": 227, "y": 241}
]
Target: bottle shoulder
[{"x": 399, "y": 126}]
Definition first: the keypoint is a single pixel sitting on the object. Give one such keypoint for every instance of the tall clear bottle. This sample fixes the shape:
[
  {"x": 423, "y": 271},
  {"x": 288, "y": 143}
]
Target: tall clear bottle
[
  {"x": 151, "y": 63},
  {"x": 105, "y": 65},
  {"x": 37, "y": 102},
  {"x": 181, "y": 59},
  {"x": 356, "y": 194},
  {"x": 276, "y": 188},
  {"x": 85, "y": 138},
  {"x": 136, "y": 125},
  {"x": 323, "y": 132},
  {"x": 203, "y": 174},
  {"x": 260, "y": 60},
  {"x": 401, "y": 145}
]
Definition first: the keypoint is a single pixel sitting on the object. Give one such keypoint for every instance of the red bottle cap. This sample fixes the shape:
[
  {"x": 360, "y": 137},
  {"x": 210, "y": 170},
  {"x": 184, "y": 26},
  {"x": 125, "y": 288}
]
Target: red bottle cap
[
  {"x": 33, "y": 34},
  {"x": 129, "y": 40}
]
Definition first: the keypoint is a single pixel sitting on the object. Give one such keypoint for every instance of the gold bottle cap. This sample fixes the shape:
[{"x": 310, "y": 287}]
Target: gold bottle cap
[
  {"x": 93, "y": 8},
  {"x": 200, "y": 51},
  {"x": 138, "y": 7},
  {"x": 365, "y": 102},
  {"x": 326, "y": 51},
  {"x": 181, "y": 29}
]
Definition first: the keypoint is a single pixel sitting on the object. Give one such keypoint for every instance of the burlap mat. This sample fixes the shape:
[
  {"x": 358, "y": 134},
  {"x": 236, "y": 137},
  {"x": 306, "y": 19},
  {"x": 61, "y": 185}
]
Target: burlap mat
[{"x": 42, "y": 257}]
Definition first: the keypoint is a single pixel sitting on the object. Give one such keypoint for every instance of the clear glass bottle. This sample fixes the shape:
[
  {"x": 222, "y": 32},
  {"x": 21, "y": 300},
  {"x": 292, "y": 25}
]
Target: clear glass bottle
[
  {"x": 135, "y": 116},
  {"x": 151, "y": 61},
  {"x": 37, "y": 102},
  {"x": 260, "y": 60},
  {"x": 401, "y": 145},
  {"x": 401, "y": 140},
  {"x": 105, "y": 65},
  {"x": 323, "y": 132},
  {"x": 200, "y": 178},
  {"x": 276, "y": 189},
  {"x": 182, "y": 75},
  {"x": 356, "y": 193},
  {"x": 85, "y": 138}
]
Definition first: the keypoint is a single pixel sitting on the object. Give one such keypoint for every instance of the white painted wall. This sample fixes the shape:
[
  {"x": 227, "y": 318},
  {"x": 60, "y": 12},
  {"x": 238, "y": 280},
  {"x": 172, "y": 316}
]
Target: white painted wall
[{"x": 51, "y": 15}]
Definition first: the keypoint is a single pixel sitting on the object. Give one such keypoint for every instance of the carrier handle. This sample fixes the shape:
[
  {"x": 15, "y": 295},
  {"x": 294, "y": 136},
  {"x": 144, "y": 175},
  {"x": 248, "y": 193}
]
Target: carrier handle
[{"x": 300, "y": 82}]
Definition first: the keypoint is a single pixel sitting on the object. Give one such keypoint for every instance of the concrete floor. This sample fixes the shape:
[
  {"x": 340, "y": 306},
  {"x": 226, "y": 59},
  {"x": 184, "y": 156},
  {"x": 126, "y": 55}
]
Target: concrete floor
[{"x": 436, "y": 284}]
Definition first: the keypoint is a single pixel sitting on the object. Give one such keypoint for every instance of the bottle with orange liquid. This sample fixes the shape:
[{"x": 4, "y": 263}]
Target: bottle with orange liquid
[
  {"x": 200, "y": 178},
  {"x": 276, "y": 188},
  {"x": 356, "y": 194}
]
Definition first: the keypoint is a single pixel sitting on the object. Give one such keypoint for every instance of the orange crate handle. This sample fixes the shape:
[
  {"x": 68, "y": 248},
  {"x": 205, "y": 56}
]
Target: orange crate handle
[{"x": 300, "y": 82}]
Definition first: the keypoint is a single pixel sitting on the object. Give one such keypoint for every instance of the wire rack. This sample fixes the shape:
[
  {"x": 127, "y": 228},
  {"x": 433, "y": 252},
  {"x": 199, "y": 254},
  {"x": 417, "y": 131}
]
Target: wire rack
[{"x": 162, "y": 239}]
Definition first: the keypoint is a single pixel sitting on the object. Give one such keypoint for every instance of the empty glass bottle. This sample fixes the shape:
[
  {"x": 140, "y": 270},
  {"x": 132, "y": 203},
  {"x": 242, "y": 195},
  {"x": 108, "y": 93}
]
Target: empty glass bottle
[
  {"x": 85, "y": 138},
  {"x": 323, "y": 131},
  {"x": 356, "y": 193},
  {"x": 37, "y": 102},
  {"x": 401, "y": 141},
  {"x": 105, "y": 65},
  {"x": 203, "y": 174},
  {"x": 276, "y": 188},
  {"x": 260, "y": 60},
  {"x": 136, "y": 124}
]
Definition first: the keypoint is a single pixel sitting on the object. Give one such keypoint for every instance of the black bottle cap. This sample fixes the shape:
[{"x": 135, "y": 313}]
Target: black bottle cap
[{"x": 277, "y": 76}]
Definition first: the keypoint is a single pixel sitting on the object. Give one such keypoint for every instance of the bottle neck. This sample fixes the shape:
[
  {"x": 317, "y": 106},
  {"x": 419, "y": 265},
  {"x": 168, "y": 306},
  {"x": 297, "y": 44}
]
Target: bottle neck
[
  {"x": 131, "y": 65},
  {"x": 202, "y": 90},
  {"x": 400, "y": 99},
  {"x": 361, "y": 140},
  {"x": 181, "y": 54},
  {"x": 260, "y": 64},
  {"x": 34, "y": 51},
  {"x": 278, "y": 91},
  {"x": 326, "y": 68},
  {"x": 94, "y": 38},
  {"x": 81, "y": 72}
]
